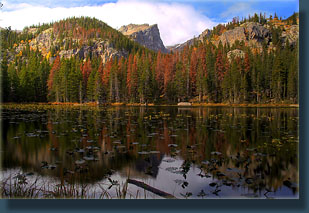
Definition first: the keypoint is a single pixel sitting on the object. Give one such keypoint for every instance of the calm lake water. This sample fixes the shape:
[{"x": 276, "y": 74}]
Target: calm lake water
[{"x": 189, "y": 152}]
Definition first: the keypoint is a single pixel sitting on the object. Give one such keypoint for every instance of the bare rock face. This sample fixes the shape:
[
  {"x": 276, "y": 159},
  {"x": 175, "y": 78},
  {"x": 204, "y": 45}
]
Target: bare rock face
[
  {"x": 67, "y": 53},
  {"x": 206, "y": 33},
  {"x": 42, "y": 42},
  {"x": 256, "y": 31},
  {"x": 147, "y": 36},
  {"x": 291, "y": 34},
  {"x": 253, "y": 34},
  {"x": 235, "y": 54},
  {"x": 230, "y": 36},
  {"x": 101, "y": 48},
  {"x": 128, "y": 30}
]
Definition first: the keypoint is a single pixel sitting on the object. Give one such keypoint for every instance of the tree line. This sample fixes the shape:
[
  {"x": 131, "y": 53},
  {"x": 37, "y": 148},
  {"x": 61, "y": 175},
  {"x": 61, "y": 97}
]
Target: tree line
[{"x": 202, "y": 72}]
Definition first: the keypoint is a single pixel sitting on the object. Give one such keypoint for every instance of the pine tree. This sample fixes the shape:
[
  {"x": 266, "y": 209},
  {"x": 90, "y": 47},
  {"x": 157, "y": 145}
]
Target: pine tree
[
  {"x": 193, "y": 72},
  {"x": 26, "y": 83},
  {"x": 227, "y": 84},
  {"x": 179, "y": 82},
  {"x": 86, "y": 70},
  {"x": 292, "y": 84},
  {"x": 219, "y": 74},
  {"x": 201, "y": 77},
  {"x": 91, "y": 86},
  {"x": 245, "y": 77},
  {"x": 53, "y": 90},
  {"x": 106, "y": 78},
  {"x": 44, "y": 69},
  {"x": 98, "y": 87},
  {"x": 14, "y": 84},
  {"x": 294, "y": 19},
  {"x": 159, "y": 73},
  {"x": 132, "y": 78},
  {"x": 277, "y": 81},
  {"x": 73, "y": 81},
  {"x": 5, "y": 83},
  {"x": 236, "y": 75}
]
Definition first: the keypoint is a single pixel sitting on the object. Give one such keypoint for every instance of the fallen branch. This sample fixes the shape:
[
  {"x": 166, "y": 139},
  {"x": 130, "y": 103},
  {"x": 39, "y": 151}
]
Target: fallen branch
[{"x": 151, "y": 189}]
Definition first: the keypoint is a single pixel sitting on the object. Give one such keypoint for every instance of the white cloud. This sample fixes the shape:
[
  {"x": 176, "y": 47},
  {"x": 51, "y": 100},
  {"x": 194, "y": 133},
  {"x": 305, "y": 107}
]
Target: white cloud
[
  {"x": 177, "y": 22},
  {"x": 240, "y": 8}
]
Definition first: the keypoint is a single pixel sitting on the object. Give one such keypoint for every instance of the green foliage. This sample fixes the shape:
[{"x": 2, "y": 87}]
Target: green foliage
[
  {"x": 201, "y": 72},
  {"x": 4, "y": 77}
]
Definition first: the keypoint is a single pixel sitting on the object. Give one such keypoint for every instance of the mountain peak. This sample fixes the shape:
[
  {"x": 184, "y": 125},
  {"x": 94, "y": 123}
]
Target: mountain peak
[
  {"x": 133, "y": 28},
  {"x": 145, "y": 34}
]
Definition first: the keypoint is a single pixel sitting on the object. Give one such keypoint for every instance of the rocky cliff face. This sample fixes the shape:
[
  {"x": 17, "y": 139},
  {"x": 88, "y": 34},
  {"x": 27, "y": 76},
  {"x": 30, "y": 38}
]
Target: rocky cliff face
[
  {"x": 253, "y": 34},
  {"x": 101, "y": 49},
  {"x": 44, "y": 41},
  {"x": 235, "y": 54},
  {"x": 147, "y": 36},
  {"x": 291, "y": 34}
]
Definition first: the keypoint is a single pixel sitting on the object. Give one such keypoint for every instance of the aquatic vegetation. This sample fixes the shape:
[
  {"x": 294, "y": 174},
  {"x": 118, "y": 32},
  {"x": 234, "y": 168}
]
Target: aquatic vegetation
[{"x": 194, "y": 152}]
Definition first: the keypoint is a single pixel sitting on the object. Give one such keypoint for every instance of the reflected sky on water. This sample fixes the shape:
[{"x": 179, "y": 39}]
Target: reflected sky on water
[{"x": 194, "y": 152}]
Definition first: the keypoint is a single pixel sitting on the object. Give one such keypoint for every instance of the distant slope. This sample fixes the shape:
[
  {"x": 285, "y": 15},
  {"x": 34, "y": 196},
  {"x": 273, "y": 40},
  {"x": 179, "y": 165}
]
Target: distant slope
[
  {"x": 254, "y": 32},
  {"x": 83, "y": 37},
  {"x": 179, "y": 47}
]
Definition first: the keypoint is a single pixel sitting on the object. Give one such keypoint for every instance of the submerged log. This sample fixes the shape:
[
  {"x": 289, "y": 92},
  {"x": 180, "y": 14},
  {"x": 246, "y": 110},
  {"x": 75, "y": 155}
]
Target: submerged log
[
  {"x": 151, "y": 189},
  {"x": 184, "y": 104}
]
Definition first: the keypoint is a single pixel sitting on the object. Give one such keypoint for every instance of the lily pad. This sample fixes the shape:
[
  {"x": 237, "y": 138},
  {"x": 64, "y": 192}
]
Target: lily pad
[
  {"x": 89, "y": 158},
  {"x": 80, "y": 150},
  {"x": 79, "y": 162},
  {"x": 216, "y": 153},
  {"x": 212, "y": 184},
  {"x": 154, "y": 152},
  {"x": 143, "y": 153}
]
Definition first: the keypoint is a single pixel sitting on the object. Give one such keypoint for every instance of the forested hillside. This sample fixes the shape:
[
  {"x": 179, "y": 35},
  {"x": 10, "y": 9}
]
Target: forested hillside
[{"x": 85, "y": 60}]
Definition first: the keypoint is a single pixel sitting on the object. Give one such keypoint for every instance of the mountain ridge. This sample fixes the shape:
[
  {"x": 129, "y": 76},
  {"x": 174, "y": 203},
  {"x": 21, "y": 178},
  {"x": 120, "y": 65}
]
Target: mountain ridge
[
  {"x": 84, "y": 60},
  {"x": 253, "y": 32}
]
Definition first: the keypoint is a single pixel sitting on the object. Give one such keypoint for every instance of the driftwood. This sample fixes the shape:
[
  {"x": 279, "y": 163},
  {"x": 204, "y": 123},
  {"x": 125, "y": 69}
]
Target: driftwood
[
  {"x": 184, "y": 104},
  {"x": 151, "y": 189}
]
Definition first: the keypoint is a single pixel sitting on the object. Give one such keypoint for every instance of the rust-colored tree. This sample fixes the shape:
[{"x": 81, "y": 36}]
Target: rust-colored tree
[
  {"x": 169, "y": 73},
  {"x": 86, "y": 70},
  {"x": 132, "y": 76},
  {"x": 193, "y": 71},
  {"x": 219, "y": 66},
  {"x": 106, "y": 72},
  {"x": 247, "y": 63},
  {"x": 160, "y": 71},
  {"x": 55, "y": 68}
]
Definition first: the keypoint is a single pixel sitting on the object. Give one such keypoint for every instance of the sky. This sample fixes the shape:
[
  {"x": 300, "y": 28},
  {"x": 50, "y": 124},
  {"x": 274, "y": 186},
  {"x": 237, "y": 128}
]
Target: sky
[{"x": 178, "y": 20}]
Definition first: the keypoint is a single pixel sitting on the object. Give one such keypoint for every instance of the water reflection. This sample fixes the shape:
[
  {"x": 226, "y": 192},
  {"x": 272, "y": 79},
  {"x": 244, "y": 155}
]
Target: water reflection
[{"x": 187, "y": 152}]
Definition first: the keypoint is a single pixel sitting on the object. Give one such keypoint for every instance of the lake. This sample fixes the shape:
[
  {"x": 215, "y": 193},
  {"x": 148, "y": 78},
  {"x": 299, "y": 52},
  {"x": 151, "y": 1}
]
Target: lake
[{"x": 187, "y": 152}]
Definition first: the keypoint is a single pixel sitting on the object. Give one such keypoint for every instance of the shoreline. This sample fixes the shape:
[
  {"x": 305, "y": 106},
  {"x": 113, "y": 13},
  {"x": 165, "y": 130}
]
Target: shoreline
[{"x": 92, "y": 104}]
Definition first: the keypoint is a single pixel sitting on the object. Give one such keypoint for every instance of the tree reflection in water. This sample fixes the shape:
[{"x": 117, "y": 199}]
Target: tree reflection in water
[{"x": 188, "y": 152}]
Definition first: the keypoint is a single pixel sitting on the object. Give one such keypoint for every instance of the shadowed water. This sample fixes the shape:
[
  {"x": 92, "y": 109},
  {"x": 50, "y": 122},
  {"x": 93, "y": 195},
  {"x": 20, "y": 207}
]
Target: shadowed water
[{"x": 214, "y": 152}]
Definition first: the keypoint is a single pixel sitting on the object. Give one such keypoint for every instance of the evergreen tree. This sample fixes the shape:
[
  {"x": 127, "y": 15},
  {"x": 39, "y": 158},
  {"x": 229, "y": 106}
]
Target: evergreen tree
[
  {"x": 5, "y": 83},
  {"x": 91, "y": 84},
  {"x": 98, "y": 87},
  {"x": 219, "y": 74},
  {"x": 14, "y": 89}
]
